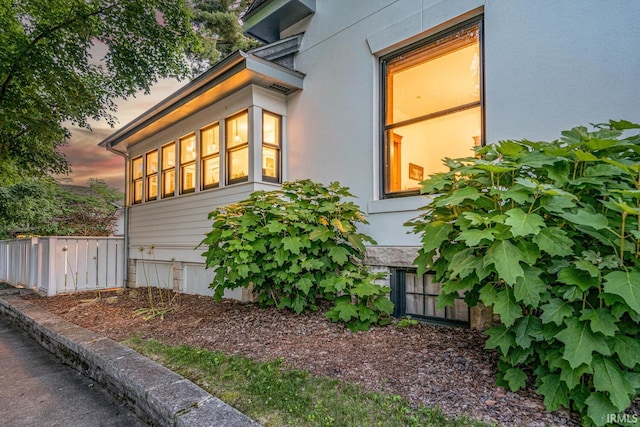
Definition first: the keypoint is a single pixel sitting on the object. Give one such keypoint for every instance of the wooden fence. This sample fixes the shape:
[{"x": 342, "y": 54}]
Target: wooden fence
[{"x": 54, "y": 265}]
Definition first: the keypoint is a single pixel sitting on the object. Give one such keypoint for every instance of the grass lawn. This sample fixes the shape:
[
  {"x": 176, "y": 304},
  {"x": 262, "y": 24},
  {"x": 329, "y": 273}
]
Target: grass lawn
[{"x": 276, "y": 396}]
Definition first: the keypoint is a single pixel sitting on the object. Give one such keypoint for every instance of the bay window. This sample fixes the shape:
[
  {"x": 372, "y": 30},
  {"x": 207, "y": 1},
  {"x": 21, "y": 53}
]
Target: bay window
[{"x": 432, "y": 101}]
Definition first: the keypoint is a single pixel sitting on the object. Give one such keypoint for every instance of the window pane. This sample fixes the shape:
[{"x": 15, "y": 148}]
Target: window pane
[
  {"x": 270, "y": 129},
  {"x": 417, "y": 150},
  {"x": 269, "y": 162},
  {"x": 210, "y": 140},
  {"x": 137, "y": 191},
  {"x": 168, "y": 156},
  {"x": 152, "y": 187},
  {"x": 237, "y": 130},
  {"x": 438, "y": 76},
  {"x": 136, "y": 168},
  {"x": 211, "y": 171},
  {"x": 187, "y": 149},
  {"x": 239, "y": 163},
  {"x": 152, "y": 162},
  {"x": 189, "y": 177},
  {"x": 169, "y": 183}
]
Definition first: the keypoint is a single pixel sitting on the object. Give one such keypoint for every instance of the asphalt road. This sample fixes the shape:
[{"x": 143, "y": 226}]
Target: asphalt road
[{"x": 37, "y": 390}]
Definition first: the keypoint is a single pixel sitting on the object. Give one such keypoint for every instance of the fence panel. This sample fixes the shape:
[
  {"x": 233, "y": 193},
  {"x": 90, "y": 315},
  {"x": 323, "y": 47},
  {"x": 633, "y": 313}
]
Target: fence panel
[{"x": 63, "y": 264}]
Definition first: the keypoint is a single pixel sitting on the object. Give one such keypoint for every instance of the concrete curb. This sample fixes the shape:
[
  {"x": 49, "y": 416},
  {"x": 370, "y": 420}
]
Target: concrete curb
[{"x": 155, "y": 393}]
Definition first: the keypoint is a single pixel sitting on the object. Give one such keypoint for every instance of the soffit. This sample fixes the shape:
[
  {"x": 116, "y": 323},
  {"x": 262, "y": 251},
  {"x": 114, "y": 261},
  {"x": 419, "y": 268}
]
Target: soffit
[
  {"x": 228, "y": 76},
  {"x": 265, "y": 20}
]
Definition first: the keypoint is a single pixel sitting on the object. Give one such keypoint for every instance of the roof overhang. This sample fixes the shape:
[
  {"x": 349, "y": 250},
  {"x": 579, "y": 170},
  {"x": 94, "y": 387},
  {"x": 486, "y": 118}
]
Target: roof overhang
[
  {"x": 270, "y": 17},
  {"x": 236, "y": 71}
]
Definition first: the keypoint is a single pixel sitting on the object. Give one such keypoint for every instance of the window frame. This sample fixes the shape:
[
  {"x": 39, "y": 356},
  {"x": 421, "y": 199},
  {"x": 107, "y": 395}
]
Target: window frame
[
  {"x": 164, "y": 171},
  {"x": 148, "y": 176},
  {"x": 384, "y": 170},
  {"x": 398, "y": 296},
  {"x": 137, "y": 180},
  {"x": 204, "y": 159},
  {"x": 277, "y": 148},
  {"x": 185, "y": 164},
  {"x": 231, "y": 149}
]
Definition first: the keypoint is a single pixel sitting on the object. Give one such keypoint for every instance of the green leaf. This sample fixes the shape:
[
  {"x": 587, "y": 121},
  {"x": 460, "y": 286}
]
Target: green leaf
[
  {"x": 580, "y": 278},
  {"x": 626, "y": 285},
  {"x": 305, "y": 285},
  {"x": 572, "y": 377},
  {"x": 292, "y": 244},
  {"x": 600, "y": 320},
  {"x": 506, "y": 258},
  {"x": 523, "y": 224},
  {"x": 339, "y": 255},
  {"x": 473, "y": 236},
  {"x": 628, "y": 350},
  {"x": 529, "y": 288},
  {"x": 383, "y": 304},
  {"x": 434, "y": 234},
  {"x": 608, "y": 378},
  {"x": 600, "y": 408},
  {"x": 500, "y": 336},
  {"x": 554, "y": 241},
  {"x": 587, "y": 218},
  {"x": 555, "y": 392},
  {"x": 527, "y": 329},
  {"x": 457, "y": 197},
  {"x": 580, "y": 343},
  {"x": 506, "y": 306},
  {"x": 516, "y": 378}
]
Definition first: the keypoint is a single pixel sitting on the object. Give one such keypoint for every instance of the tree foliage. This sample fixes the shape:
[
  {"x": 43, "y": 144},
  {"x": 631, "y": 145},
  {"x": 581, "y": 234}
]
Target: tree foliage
[
  {"x": 548, "y": 234},
  {"x": 65, "y": 61},
  {"x": 43, "y": 207},
  {"x": 217, "y": 23},
  {"x": 296, "y": 245}
]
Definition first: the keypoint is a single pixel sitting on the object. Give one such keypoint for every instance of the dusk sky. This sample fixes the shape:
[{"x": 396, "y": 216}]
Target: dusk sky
[{"x": 90, "y": 161}]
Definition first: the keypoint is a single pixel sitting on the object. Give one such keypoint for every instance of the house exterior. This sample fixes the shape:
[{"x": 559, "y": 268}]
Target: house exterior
[{"x": 373, "y": 94}]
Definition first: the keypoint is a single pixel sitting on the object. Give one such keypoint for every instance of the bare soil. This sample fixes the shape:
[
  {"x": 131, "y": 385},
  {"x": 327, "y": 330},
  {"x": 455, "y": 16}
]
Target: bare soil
[{"x": 429, "y": 365}]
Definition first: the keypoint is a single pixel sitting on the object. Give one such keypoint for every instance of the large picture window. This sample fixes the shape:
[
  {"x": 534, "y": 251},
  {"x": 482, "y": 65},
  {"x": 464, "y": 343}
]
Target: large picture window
[
  {"x": 169, "y": 170},
  {"x": 432, "y": 106},
  {"x": 210, "y": 152},
  {"x": 237, "y": 142},
  {"x": 188, "y": 164}
]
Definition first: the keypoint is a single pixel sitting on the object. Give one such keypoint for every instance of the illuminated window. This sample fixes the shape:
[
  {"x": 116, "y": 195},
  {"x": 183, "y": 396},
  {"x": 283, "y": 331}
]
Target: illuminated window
[
  {"x": 432, "y": 106},
  {"x": 169, "y": 170},
  {"x": 136, "y": 175},
  {"x": 210, "y": 152},
  {"x": 152, "y": 175},
  {"x": 237, "y": 143},
  {"x": 270, "y": 147},
  {"x": 188, "y": 164}
]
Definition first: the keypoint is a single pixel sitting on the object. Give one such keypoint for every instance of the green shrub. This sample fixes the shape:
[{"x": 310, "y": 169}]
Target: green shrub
[
  {"x": 548, "y": 234},
  {"x": 296, "y": 245}
]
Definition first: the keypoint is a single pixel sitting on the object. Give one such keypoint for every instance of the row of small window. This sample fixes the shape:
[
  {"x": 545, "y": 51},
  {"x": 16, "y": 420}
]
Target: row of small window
[{"x": 203, "y": 149}]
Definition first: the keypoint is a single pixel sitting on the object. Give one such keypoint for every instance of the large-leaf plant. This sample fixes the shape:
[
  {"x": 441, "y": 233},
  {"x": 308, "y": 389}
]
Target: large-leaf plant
[
  {"x": 548, "y": 235},
  {"x": 295, "y": 246}
]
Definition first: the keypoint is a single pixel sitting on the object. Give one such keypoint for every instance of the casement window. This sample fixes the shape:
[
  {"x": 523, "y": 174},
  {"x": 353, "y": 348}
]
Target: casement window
[
  {"x": 432, "y": 106},
  {"x": 188, "y": 164},
  {"x": 237, "y": 144},
  {"x": 210, "y": 152},
  {"x": 152, "y": 175},
  {"x": 169, "y": 170},
  {"x": 271, "y": 143},
  {"x": 136, "y": 175},
  {"x": 416, "y": 296}
]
